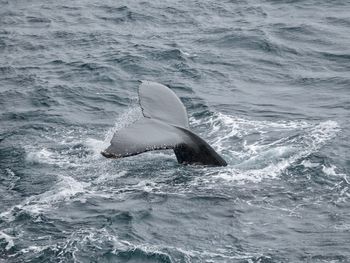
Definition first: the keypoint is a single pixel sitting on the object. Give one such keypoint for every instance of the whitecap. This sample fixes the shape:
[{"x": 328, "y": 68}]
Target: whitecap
[{"x": 8, "y": 240}]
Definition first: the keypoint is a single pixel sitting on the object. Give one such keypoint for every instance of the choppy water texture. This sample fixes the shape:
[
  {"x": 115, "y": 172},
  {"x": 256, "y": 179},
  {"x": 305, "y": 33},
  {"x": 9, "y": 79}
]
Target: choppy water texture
[{"x": 266, "y": 83}]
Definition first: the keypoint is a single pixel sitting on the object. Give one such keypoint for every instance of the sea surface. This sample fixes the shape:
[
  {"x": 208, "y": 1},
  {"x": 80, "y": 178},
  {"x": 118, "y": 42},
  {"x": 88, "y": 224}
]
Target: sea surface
[{"x": 266, "y": 83}]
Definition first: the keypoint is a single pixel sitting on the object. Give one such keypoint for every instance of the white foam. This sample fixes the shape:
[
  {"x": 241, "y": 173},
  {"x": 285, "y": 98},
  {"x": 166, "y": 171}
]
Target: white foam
[
  {"x": 308, "y": 164},
  {"x": 104, "y": 177},
  {"x": 188, "y": 254},
  {"x": 8, "y": 239},
  {"x": 11, "y": 179},
  {"x": 329, "y": 170},
  {"x": 146, "y": 185},
  {"x": 96, "y": 145},
  {"x": 273, "y": 149},
  {"x": 319, "y": 134},
  {"x": 332, "y": 171},
  {"x": 65, "y": 189},
  {"x": 35, "y": 249},
  {"x": 10, "y": 173},
  {"x": 41, "y": 156},
  {"x": 46, "y": 156}
]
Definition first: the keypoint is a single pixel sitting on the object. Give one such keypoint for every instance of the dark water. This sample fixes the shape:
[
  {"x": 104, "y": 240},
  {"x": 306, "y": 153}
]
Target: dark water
[{"x": 266, "y": 83}]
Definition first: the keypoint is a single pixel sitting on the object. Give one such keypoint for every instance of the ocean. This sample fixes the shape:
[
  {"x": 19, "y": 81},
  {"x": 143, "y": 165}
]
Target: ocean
[{"x": 265, "y": 83}]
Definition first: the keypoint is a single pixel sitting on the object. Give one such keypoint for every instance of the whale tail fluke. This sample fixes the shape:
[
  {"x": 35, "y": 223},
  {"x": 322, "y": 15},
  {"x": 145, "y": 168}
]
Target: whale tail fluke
[{"x": 164, "y": 126}]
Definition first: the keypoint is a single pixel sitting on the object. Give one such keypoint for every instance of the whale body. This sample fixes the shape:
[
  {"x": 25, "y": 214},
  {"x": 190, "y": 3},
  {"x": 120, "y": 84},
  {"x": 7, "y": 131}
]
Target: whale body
[{"x": 164, "y": 126}]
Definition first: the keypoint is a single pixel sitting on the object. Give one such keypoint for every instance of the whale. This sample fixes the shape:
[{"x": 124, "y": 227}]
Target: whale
[{"x": 164, "y": 125}]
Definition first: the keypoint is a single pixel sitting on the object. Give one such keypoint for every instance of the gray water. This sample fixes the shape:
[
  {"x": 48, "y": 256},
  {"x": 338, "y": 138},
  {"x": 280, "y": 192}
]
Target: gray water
[{"x": 266, "y": 83}]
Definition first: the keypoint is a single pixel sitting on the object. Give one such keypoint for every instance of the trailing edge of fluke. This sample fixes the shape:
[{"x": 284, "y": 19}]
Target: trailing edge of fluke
[{"x": 164, "y": 126}]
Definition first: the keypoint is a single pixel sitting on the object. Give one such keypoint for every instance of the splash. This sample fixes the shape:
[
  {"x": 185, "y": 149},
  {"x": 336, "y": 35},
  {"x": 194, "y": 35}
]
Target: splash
[
  {"x": 129, "y": 116},
  {"x": 263, "y": 149}
]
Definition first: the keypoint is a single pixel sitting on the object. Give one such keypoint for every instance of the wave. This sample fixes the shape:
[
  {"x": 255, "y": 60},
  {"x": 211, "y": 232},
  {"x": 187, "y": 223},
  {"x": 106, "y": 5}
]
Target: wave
[{"x": 105, "y": 244}]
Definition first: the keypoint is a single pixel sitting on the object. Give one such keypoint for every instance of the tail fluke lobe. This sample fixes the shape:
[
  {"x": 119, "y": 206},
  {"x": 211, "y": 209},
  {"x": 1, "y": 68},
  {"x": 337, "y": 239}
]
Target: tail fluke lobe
[
  {"x": 142, "y": 136},
  {"x": 161, "y": 103}
]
